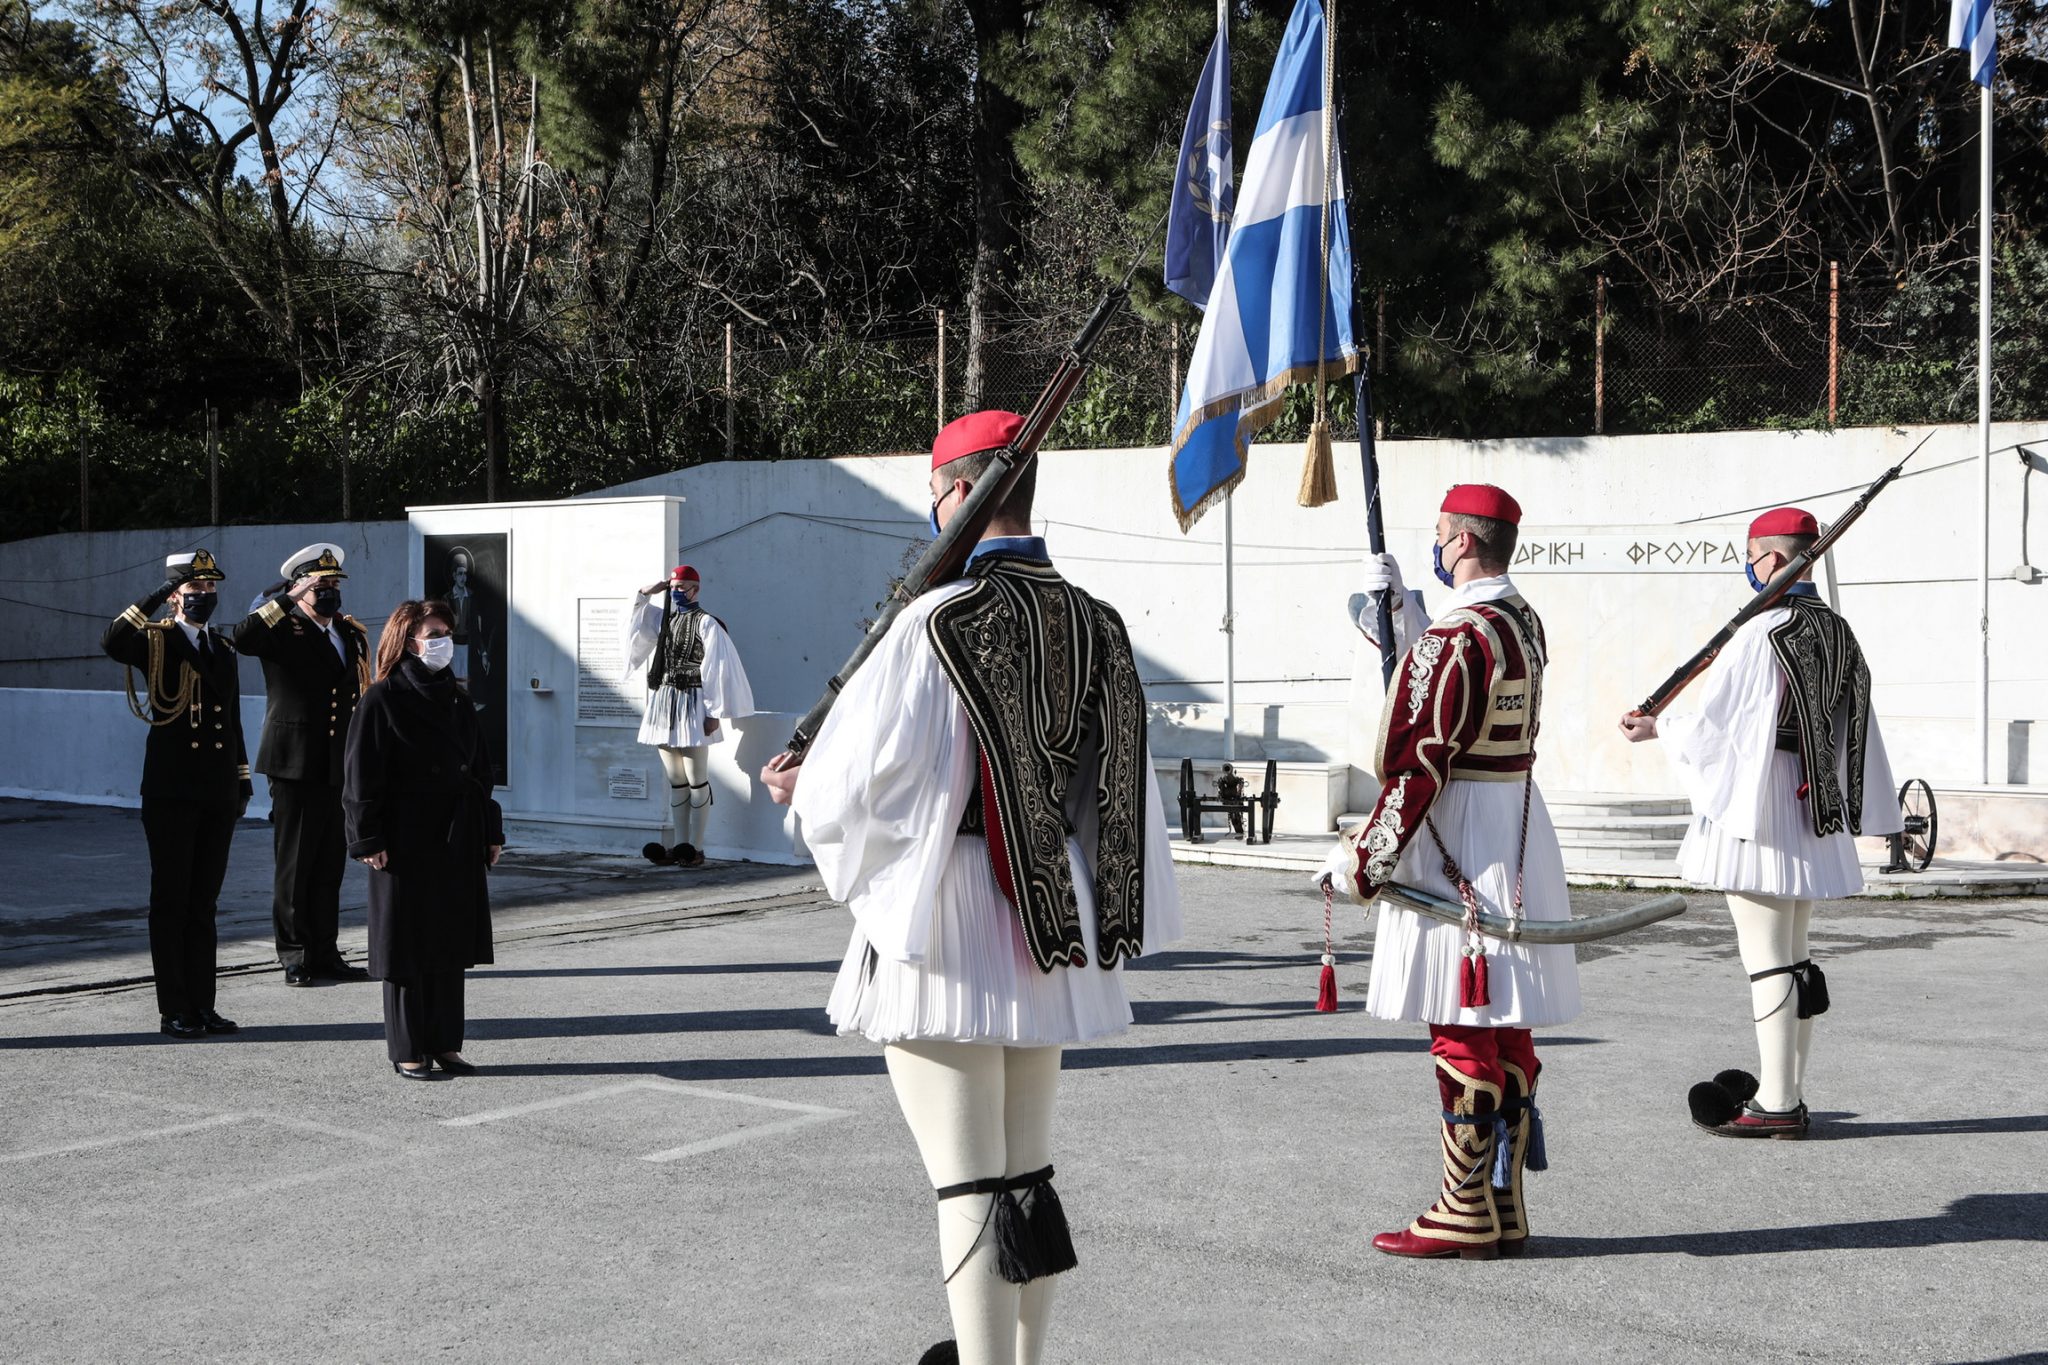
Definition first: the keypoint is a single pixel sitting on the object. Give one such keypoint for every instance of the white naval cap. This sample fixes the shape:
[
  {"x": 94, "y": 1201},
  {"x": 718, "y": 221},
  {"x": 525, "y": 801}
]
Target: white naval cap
[
  {"x": 321, "y": 559},
  {"x": 199, "y": 565}
]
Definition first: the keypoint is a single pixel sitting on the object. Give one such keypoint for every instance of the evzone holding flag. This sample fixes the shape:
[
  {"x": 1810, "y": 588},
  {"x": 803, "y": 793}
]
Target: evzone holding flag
[
  {"x": 1459, "y": 815},
  {"x": 1784, "y": 764},
  {"x": 982, "y": 798}
]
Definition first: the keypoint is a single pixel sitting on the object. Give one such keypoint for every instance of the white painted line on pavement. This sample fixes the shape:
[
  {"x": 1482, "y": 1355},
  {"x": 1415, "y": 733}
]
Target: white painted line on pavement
[
  {"x": 745, "y": 1135},
  {"x": 91, "y": 1144},
  {"x": 540, "y": 1106}
]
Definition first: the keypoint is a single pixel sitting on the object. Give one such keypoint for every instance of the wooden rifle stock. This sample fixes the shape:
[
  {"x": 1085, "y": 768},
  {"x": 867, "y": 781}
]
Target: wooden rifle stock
[
  {"x": 1774, "y": 592},
  {"x": 943, "y": 560}
]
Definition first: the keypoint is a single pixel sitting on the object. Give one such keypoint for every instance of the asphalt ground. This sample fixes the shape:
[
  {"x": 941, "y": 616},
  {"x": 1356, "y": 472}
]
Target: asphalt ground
[{"x": 669, "y": 1157}]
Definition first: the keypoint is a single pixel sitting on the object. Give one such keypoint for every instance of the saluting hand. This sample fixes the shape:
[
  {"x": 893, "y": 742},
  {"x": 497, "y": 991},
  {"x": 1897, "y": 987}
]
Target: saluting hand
[{"x": 651, "y": 589}]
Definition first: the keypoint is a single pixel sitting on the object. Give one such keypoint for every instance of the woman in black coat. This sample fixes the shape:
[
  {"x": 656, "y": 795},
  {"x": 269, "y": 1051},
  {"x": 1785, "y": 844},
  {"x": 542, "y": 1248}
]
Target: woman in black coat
[{"x": 420, "y": 814}]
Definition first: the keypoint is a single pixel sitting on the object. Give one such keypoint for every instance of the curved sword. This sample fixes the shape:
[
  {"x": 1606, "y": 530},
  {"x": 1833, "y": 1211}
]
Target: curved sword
[{"x": 1583, "y": 929}]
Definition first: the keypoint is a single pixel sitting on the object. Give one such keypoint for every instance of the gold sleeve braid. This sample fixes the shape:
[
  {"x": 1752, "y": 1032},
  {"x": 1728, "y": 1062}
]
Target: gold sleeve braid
[{"x": 172, "y": 705}]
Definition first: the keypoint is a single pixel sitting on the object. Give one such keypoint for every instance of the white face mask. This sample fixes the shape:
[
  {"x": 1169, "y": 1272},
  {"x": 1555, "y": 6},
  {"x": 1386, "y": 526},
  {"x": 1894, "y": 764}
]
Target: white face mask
[{"x": 438, "y": 652}]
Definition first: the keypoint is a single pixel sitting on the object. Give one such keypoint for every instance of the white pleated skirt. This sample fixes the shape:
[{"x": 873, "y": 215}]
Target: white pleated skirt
[
  {"x": 675, "y": 719},
  {"x": 1416, "y": 961},
  {"x": 1785, "y": 859},
  {"x": 977, "y": 983}
]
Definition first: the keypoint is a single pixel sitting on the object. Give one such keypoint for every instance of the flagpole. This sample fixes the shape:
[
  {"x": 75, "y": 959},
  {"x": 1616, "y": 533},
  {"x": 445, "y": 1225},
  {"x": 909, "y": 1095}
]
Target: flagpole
[
  {"x": 1361, "y": 384},
  {"x": 1984, "y": 442},
  {"x": 1229, "y": 555}
]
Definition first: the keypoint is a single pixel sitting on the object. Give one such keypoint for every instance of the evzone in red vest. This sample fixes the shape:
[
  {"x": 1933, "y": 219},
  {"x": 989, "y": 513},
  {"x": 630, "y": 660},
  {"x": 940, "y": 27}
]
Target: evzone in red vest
[
  {"x": 1459, "y": 815},
  {"x": 1782, "y": 760}
]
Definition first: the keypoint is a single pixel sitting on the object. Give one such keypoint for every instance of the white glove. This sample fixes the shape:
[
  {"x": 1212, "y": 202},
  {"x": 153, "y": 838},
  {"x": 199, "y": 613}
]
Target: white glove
[
  {"x": 1381, "y": 573},
  {"x": 1336, "y": 871}
]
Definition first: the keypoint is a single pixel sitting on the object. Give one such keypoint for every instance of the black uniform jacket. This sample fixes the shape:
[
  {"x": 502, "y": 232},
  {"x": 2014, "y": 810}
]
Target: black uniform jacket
[
  {"x": 312, "y": 692},
  {"x": 419, "y": 791},
  {"x": 198, "y": 754}
]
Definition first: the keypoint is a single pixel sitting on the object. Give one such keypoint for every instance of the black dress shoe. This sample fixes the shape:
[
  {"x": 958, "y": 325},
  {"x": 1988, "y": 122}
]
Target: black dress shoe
[
  {"x": 299, "y": 974},
  {"x": 423, "y": 1072},
  {"x": 454, "y": 1065},
  {"x": 182, "y": 1026},
  {"x": 338, "y": 970},
  {"x": 215, "y": 1024}
]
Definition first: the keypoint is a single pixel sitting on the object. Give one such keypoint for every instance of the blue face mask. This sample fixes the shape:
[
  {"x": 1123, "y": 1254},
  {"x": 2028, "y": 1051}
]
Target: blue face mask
[
  {"x": 932, "y": 520},
  {"x": 1756, "y": 584},
  {"x": 680, "y": 599},
  {"x": 1443, "y": 575}
]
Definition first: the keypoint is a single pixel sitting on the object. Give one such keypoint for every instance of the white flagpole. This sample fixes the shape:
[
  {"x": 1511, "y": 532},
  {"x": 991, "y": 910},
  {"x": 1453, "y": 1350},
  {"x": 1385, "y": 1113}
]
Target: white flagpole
[
  {"x": 1984, "y": 447},
  {"x": 1229, "y": 557}
]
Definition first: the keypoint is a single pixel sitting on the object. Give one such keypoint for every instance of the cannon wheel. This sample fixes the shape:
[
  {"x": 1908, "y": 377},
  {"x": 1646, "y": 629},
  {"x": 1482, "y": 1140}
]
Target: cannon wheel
[
  {"x": 1922, "y": 823},
  {"x": 1268, "y": 799},
  {"x": 1190, "y": 804}
]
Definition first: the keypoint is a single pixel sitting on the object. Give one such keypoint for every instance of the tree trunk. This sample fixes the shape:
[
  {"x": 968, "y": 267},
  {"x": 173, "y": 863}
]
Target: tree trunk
[{"x": 998, "y": 190}]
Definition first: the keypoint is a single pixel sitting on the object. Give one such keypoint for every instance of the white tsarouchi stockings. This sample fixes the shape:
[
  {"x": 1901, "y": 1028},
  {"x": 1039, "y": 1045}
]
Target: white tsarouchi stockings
[
  {"x": 689, "y": 790},
  {"x": 1771, "y": 933},
  {"x": 979, "y": 1110}
]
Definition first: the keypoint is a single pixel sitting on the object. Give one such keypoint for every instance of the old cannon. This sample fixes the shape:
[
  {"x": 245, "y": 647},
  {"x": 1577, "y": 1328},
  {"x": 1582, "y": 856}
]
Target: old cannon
[{"x": 1251, "y": 816}]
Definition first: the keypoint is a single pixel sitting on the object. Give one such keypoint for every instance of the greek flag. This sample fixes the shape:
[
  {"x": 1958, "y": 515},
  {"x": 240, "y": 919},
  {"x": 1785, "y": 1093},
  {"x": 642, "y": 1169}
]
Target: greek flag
[
  {"x": 1973, "y": 24},
  {"x": 1266, "y": 313},
  {"x": 1198, "y": 221}
]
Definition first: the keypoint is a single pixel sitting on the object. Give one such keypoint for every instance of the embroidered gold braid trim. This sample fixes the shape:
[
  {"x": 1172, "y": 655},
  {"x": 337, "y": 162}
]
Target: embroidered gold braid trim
[{"x": 1042, "y": 668}]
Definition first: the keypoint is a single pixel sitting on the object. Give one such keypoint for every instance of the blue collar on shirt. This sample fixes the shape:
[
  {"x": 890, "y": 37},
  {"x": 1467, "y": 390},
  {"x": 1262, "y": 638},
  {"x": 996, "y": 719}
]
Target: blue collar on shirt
[
  {"x": 1022, "y": 547},
  {"x": 1802, "y": 589}
]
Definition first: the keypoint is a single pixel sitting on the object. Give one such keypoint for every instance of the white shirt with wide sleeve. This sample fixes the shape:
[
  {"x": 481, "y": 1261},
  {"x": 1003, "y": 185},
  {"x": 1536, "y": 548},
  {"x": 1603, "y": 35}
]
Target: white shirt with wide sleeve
[
  {"x": 674, "y": 718},
  {"x": 937, "y": 951},
  {"x": 1751, "y": 832}
]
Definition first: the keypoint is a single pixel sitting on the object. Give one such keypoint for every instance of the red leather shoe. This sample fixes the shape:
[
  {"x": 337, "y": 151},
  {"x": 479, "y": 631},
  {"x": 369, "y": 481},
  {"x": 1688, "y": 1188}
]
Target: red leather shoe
[
  {"x": 1752, "y": 1122},
  {"x": 1409, "y": 1243}
]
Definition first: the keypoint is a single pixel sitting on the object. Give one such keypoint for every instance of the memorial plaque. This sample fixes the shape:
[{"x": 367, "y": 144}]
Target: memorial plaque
[
  {"x": 604, "y": 694},
  {"x": 626, "y": 784}
]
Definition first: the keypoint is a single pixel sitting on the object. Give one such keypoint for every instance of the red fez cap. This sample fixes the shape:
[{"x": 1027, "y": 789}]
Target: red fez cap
[
  {"x": 1483, "y": 500},
  {"x": 684, "y": 574},
  {"x": 974, "y": 433},
  {"x": 1784, "y": 521}
]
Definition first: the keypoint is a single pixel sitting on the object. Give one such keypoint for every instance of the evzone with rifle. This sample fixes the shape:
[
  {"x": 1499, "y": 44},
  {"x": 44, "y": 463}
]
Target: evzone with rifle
[
  {"x": 1784, "y": 765},
  {"x": 1459, "y": 819},
  {"x": 982, "y": 798}
]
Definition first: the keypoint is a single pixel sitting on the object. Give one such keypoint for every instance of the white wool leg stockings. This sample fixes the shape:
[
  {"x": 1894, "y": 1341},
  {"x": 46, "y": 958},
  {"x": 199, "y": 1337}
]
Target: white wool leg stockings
[{"x": 1770, "y": 932}]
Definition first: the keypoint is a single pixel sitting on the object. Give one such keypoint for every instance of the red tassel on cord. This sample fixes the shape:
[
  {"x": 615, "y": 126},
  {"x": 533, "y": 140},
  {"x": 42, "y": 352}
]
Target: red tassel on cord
[
  {"x": 1472, "y": 983},
  {"x": 1326, "y": 992}
]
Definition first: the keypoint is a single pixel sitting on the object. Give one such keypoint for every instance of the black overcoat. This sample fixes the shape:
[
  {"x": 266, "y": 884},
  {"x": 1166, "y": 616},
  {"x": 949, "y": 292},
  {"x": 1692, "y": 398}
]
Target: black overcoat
[
  {"x": 418, "y": 789},
  {"x": 198, "y": 755},
  {"x": 311, "y": 690}
]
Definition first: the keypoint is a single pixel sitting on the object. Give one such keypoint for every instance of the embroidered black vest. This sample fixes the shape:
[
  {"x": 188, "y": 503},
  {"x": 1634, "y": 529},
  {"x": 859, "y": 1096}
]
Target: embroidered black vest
[
  {"x": 678, "y": 659},
  {"x": 1046, "y": 672},
  {"x": 1824, "y": 676}
]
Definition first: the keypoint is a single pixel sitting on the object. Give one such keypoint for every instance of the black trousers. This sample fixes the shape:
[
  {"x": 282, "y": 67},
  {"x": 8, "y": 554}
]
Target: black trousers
[
  {"x": 423, "y": 1017},
  {"x": 188, "y": 859},
  {"x": 312, "y": 852}
]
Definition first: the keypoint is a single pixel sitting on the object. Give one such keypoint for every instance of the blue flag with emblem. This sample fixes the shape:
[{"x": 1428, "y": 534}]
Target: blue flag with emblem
[
  {"x": 1278, "y": 307},
  {"x": 1198, "y": 219},
  {"x": 1973, "y": 25}
]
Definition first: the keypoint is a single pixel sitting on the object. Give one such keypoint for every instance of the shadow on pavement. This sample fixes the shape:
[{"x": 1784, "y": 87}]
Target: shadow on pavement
[
  {"x": 681, "y": 969},
  {"x": 1974, "y": 1218},
  {"x": 1835, "y": 1131}
]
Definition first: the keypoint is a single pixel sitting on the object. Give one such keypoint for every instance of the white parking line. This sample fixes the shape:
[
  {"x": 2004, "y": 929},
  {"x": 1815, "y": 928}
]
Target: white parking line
[
  {"x": 91, "y": 1144},
  {"x": 807, "y": 1114}
]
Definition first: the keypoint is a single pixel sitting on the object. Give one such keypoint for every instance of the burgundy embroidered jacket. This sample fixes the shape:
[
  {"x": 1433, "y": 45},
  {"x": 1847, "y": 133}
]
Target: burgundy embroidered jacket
[{"x": 1466, "y": 702}]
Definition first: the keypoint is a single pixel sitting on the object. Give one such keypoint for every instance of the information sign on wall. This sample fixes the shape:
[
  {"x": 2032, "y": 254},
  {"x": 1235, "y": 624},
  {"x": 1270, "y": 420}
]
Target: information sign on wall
[{"x": 604, "y": 694}]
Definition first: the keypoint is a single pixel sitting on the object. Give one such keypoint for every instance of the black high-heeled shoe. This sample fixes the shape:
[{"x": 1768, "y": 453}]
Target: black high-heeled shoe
[
  {"x": 424, "y": 1073},
  {"x": 454, "y": 1064}
]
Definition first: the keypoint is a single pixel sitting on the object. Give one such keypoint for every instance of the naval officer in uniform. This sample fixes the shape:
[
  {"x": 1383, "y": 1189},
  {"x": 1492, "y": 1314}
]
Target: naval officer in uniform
[
  {"x": 316, "y": 665},
  {"x": 195, "y": 780}
]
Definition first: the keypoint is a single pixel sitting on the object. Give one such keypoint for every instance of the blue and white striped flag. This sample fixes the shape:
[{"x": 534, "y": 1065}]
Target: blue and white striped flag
[
  {"x": 1261, "y": 330},
  {"x": 1973, "y": 24}
]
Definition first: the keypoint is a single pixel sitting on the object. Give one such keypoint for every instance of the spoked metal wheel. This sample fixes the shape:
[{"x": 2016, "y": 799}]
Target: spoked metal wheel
[{"x": 1922, "y": 824}]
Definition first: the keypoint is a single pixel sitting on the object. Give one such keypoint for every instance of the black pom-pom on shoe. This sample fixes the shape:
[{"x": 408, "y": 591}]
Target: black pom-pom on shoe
[
  {"x": 655, "y": 853},
  {"x": 1711, "y": 1104},
  {"x": 944, "y": 1353},
  {"x": 1740, "y": 1085}
]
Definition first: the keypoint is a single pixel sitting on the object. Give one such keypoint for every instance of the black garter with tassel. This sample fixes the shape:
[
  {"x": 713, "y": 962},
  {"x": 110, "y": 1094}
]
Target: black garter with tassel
[{"x": 1032, "y": 1239}]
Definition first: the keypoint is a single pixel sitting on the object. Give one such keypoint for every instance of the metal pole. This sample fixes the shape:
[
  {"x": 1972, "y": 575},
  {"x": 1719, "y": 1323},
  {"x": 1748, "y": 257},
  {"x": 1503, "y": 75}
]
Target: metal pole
[
  {"x": 1834, "y": 338},
  {"x": 1599, "y": 354},
  {"x": 212, "y": 466},
  {"x": 1361, "y": 384},
  {"x": 1984, "y": 446},
  {"x": 942, "y": 372},
  {"x": 1172, "y": 374},
  {"x": 1229, "y": 632},
  {"x": 347, "y": 500},
  {"x": 728, "y": 391}
]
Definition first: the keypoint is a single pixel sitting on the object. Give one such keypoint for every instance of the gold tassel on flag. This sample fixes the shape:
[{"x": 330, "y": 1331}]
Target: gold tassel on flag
[{"x": 1319, "y": 470}]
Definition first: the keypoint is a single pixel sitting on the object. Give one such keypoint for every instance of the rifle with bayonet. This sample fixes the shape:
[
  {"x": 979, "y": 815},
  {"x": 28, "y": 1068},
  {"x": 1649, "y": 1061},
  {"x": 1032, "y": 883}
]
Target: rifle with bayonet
[
  {"x": 1774, "y": 592},
  {"x": 945, "y": 557}
]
